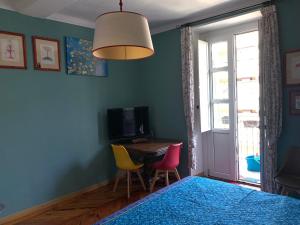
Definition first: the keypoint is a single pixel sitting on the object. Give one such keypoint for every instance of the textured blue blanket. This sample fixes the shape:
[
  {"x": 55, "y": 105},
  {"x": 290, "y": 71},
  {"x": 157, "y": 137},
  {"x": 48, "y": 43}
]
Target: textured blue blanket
[{"x": 204, "y": 201}]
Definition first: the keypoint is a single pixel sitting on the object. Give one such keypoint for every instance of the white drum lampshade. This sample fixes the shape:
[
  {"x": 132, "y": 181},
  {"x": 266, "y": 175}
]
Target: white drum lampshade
[{"x": 122, "y": 35}]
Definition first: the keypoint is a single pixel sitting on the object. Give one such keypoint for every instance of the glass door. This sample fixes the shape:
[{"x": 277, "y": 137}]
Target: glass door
[
  {"x": 222, "y": 152},
  {"x": 231, "y": 140}
]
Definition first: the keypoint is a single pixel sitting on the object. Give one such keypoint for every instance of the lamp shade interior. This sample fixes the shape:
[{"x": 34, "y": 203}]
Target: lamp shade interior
[{"x": 122, "y": 36}]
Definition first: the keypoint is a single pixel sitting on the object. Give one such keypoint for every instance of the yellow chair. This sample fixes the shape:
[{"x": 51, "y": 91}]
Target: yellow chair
[{"x": 124, "y": 163}]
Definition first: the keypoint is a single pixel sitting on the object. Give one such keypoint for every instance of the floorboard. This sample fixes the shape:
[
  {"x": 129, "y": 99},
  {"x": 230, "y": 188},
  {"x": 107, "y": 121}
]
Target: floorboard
[{"x": 91, "y": 207}]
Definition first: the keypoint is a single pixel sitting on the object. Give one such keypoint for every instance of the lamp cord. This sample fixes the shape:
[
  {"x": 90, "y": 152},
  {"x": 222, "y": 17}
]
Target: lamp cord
[{"x": 121, "y": 5}]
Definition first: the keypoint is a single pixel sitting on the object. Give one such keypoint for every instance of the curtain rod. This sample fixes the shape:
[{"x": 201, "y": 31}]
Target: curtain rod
[{"x": 231, "y": 13}]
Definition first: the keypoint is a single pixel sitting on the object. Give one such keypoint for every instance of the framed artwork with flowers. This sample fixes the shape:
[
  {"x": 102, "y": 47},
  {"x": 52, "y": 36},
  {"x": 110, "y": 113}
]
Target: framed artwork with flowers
[{"x": 80, "y": 60}]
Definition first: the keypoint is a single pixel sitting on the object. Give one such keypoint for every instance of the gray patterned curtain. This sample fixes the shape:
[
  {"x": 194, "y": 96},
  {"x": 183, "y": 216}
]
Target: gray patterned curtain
[
  {"x": 188, "y": 91},
  {"x": 270, "y": 96}
]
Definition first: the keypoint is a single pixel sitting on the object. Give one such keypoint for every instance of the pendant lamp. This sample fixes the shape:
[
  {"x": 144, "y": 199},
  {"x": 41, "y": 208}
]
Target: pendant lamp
[{"x": 122, "y": 35}]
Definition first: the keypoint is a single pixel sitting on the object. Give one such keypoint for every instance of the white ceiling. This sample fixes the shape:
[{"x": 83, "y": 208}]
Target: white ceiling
[{"x": 162, "y": 14}]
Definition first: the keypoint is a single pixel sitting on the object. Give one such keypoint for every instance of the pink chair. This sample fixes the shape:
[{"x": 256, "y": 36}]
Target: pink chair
[{"x": 167, "y": 164}]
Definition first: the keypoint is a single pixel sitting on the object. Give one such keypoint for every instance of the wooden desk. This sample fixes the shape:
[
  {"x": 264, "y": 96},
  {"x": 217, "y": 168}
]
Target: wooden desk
[
  {"x": 155, "y": 147},
  {"x": 148, "y": 153}
]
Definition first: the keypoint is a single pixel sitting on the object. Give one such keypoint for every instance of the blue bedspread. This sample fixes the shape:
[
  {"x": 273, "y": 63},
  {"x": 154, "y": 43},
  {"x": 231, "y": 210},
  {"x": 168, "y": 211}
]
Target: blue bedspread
[{"x": 204, "y": 201}]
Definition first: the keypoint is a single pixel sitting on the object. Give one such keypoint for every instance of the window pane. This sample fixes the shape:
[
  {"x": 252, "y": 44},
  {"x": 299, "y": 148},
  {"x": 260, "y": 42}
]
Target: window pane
[
  {"x": 247, "y": 63},
  {"x": 221, "y": 115},
  {"x": 247, "y": 39},
  {"x": 219, "y": 54},
  {"x": 220, "y": 85},
  {"x": 248, "y": 69},
  {"x": 247, "y": 54}
]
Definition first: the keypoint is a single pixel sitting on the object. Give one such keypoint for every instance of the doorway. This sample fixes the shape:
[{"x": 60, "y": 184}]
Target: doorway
[
  {"x": 247, "y": 94},
  {"x": 228, "y": 61}
]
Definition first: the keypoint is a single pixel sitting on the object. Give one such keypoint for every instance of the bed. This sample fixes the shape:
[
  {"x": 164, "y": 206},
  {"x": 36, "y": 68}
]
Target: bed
[{"x": 204, "y": 201}]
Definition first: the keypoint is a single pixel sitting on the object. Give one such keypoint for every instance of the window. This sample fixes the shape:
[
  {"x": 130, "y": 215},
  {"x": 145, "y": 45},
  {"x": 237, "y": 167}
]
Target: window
[{"x": 219, "y": 84}]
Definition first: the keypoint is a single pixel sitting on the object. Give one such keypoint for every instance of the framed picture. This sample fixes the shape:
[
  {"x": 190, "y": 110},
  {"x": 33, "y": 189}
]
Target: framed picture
[
  {"x": 80, "y": 60},
  {"x": 12, "y": 50},
  {"x": 46, "y": 54},
  {"x": 295, "y": 102},
  {"x": 292, "y": 67}
]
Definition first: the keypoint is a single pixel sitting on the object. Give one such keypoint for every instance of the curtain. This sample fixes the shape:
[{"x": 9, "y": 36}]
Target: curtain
[
  {"x": 270, "y": 96},
  {"x": 188, "y": 91}
]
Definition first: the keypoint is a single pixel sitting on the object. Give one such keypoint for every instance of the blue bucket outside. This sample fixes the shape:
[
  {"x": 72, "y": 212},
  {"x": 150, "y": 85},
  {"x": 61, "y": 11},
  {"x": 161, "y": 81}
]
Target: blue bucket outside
[{"x": 253, "y": 163}]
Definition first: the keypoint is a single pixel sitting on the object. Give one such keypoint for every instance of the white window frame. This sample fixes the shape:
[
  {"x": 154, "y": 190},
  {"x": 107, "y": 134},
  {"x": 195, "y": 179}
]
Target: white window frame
[
  {"x": 219, "y": 36},
  {"x": 212, "y": 70}
]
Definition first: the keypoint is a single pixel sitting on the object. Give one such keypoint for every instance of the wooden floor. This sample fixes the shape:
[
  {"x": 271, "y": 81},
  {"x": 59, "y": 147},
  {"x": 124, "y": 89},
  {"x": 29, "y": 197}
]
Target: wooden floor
[{"x": 91, "y": 207}]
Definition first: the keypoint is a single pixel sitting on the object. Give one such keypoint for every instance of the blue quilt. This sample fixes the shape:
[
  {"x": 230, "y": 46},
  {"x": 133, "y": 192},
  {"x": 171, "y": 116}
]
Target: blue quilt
[{"x": 203, "y": 201}]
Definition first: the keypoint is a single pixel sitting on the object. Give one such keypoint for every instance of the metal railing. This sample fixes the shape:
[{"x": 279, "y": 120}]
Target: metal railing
[{"x": 248, "y": 138}]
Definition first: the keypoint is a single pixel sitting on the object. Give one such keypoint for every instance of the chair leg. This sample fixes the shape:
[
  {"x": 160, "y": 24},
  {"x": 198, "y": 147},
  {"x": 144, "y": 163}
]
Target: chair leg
[
  {"x": 280, "y": 189},
  {"x": 167, "y": 178},
  {"x": 141, "y": 179},
  {"x": 154, "y": 181},
  {"x": 177, "y": 174},
  {"x": 128, "y": 183},
  {"x": 116, "y": 182},
  {"x": 284, "y": 191}
]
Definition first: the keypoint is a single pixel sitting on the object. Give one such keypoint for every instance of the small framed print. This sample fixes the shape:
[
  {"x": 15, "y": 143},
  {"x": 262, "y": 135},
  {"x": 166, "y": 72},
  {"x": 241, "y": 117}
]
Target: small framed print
[
  {"x": 46, "y": 53},
  {"x": 292, "y": 67},
  {"x": 12, "y": 50},
  {"x": 295, "y": 102}
]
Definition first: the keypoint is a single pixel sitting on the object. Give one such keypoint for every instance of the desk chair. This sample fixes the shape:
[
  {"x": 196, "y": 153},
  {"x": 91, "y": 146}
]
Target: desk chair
[
  {"x": 124, "y": 163},
  {"x": 167, "y": 164},
  {"x": 288, "y": 177}
]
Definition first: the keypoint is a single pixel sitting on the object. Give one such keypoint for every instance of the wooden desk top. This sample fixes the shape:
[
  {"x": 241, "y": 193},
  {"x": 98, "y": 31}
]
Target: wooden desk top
[{"x": 151, "y": 147}]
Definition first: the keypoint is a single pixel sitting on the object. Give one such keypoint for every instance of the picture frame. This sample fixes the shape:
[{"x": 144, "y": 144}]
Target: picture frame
[
  {"x": 12, "y": 50},
  {"x": 80, "y": 60},
  {"x": 46, "y": 54},
  {"x": 292, "y": 67},
  {"x": 294, "y": 102}
]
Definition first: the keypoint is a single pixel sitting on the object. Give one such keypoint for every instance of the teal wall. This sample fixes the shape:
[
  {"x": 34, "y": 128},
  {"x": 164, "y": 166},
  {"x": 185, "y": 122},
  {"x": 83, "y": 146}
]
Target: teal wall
[
  {"x": 52, "y": 125},
  {"x": 289, "y": 17},
  {"x": 162, "y": 89}
]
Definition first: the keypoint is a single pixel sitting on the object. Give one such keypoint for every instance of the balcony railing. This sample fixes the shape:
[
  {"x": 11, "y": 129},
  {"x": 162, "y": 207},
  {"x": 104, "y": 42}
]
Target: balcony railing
[{"x": 248, "y": 143}]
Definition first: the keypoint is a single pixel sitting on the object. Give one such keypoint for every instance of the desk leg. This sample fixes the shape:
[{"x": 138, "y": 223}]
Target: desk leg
[
  {"x": 148, "y": 170},
  {"x": 116, "y": 182},
  {"x": 128, "y": 183},
  {"x": 141, "y": 179}
]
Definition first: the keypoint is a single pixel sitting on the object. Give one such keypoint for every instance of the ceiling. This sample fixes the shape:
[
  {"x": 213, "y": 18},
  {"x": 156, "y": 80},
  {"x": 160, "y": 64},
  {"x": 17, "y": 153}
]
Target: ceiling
[{"x": 162, "y": 14}]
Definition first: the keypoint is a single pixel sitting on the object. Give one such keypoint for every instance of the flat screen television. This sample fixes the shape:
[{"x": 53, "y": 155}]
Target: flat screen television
[{"x": 128, "y": 123}]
